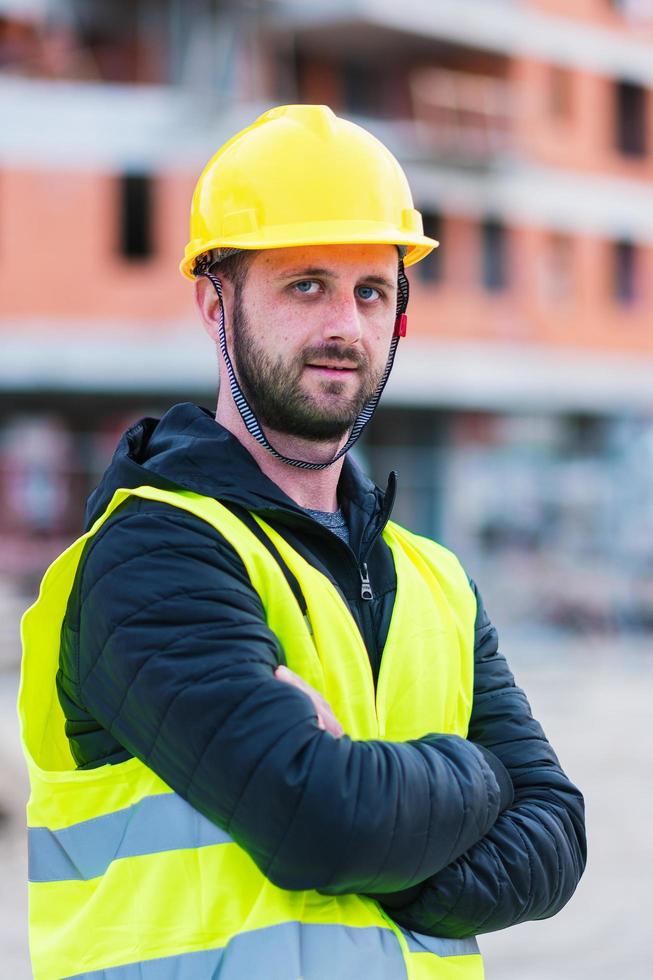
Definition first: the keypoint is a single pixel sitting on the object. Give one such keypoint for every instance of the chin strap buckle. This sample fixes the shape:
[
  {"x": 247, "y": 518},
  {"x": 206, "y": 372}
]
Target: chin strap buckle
[{"x": 401, "y": 324}]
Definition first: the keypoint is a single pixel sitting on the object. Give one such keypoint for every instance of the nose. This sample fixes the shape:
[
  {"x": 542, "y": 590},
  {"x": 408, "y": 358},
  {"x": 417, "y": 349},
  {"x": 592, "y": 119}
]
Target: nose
[{"x": 343, "y": 322}]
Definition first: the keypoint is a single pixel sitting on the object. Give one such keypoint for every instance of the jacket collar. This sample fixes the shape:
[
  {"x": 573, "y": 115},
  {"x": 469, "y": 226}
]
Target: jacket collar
[{"x": 188, "y": 449}]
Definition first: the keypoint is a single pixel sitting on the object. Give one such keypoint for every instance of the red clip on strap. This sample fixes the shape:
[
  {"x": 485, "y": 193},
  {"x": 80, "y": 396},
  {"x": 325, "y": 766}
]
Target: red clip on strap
[{"x": 401, "y": 323}]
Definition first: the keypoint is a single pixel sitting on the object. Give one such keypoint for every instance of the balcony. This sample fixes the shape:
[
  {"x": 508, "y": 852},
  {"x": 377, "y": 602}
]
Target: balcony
[
  {"x": 113, "y": 127},
  {"x": 460, "y": 117},
  {"x": 506, "y": 27}
]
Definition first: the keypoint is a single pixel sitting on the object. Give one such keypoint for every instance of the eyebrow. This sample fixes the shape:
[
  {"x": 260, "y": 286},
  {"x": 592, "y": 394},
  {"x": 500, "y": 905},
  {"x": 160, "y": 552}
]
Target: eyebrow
[{"x": 310, "y": 271}]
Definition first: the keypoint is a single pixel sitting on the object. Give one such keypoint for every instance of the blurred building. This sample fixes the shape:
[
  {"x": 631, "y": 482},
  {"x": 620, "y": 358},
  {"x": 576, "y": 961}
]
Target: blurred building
[{"x": 519, "y": 412}]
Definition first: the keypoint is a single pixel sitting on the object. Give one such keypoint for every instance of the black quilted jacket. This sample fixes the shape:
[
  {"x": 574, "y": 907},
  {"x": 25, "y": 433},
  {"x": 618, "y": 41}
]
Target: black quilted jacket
[{"x": 166, "y": 655}]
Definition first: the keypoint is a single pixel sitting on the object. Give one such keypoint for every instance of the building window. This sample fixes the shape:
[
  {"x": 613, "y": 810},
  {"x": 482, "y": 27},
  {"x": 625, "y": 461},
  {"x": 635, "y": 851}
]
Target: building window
[
  {"x": 361, "y": 88},
  {"x": 630, "y": 119},
  {"x": 494, "y": 255},
  {"x": 430, "y": 268},
  {"x": 135, "y": 216},
  {"x": 625, "y": 272}
]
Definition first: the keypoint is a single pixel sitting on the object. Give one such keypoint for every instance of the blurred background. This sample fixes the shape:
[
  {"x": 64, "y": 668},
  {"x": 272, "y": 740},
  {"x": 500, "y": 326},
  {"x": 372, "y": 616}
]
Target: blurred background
[{"x": 520, "y": 411}]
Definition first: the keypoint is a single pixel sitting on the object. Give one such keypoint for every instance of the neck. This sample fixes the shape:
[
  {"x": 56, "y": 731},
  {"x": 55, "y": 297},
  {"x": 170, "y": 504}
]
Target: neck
[{"x": 316, "y": 489}]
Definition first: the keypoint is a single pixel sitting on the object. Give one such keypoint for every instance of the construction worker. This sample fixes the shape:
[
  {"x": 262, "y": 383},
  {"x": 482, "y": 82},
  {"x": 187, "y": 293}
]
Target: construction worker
[{"x": 268, "y": 730}]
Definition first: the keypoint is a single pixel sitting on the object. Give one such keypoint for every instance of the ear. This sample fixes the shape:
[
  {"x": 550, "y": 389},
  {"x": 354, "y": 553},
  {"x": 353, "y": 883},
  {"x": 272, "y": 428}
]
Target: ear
[{"x": 208, "y": 304}]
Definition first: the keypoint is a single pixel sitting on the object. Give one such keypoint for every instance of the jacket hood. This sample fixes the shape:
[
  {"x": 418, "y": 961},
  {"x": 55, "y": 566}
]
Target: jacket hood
[{"x": 187, "y": 449}]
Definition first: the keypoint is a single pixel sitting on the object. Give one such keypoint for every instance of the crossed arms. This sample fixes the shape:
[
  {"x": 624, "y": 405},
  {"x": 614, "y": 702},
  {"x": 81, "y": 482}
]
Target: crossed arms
[{"x": 169, "y": 653}]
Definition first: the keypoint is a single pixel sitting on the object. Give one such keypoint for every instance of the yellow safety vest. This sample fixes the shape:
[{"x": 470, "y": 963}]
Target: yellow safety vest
[{"x": 128, "y": 881}]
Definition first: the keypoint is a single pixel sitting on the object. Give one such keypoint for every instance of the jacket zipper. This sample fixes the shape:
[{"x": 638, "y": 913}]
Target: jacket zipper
[
  {"x": 367, "y": 593},
  {"x": 366, "y": 587}
]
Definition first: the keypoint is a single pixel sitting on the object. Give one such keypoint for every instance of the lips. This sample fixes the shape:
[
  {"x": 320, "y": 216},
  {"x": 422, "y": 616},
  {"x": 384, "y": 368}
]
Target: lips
[{"x": 333, "y": 367}]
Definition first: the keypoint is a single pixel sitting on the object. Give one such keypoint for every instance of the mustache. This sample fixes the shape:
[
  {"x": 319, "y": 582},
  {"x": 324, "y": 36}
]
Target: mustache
[{"x": 335, "y": 352}]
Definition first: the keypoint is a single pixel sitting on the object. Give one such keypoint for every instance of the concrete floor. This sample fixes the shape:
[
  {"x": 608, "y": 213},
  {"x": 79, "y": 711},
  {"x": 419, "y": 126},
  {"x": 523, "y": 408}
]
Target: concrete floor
[{"x": 594, "y": 701}]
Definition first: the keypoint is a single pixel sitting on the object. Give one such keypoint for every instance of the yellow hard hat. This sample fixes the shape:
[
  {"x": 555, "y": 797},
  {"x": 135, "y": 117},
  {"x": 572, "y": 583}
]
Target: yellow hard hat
[{"x": 300, "y": 175}]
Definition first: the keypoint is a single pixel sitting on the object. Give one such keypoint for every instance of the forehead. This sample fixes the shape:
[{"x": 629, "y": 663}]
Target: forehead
[{"x": 337, "y": 259}]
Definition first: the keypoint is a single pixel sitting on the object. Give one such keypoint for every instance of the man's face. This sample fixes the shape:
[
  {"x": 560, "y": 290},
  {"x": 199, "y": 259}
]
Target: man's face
[{"x": 310, "y": 333}]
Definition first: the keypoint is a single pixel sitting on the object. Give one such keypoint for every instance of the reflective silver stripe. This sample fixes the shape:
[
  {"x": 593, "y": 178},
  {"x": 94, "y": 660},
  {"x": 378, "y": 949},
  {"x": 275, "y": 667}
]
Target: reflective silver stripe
[
  {"x": 292, "y": 951},
  {"x": 419, "y": 943},
  {"x": 85, "y": 850}
]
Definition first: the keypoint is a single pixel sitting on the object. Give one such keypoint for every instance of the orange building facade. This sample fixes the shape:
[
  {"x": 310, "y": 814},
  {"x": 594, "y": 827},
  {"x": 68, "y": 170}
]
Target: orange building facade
[{"x": 526, "y": 129}]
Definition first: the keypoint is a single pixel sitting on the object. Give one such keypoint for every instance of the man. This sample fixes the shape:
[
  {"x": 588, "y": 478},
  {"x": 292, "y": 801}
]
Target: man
[{"x": 284, "y": 743}]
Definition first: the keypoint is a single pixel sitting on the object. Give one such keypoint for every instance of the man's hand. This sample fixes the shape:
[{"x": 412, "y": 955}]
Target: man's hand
[{"x": 326, "y": 719}]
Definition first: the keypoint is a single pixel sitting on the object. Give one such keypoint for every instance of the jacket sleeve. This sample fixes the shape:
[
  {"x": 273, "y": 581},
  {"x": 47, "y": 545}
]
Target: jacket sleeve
[
  {"x": 176, "y": 661},
  {"x": 528, "y": 864}
]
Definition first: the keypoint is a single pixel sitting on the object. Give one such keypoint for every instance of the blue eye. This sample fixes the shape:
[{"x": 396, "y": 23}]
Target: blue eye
[
  {"x": 305, "y": 286},
  {"x": 368, "y": 292}
]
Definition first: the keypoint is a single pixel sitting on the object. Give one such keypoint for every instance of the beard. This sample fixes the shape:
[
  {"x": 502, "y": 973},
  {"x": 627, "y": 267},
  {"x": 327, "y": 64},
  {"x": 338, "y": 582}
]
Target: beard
[{"x": 273, "y": 386}]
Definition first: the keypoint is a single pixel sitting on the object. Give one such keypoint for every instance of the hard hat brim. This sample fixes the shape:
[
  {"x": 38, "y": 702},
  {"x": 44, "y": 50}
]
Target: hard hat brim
[{"x": 325, "y": 233}]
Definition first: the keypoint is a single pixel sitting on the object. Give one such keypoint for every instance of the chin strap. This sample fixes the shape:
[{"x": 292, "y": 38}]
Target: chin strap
[{"x": 203, "y": 268}]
